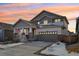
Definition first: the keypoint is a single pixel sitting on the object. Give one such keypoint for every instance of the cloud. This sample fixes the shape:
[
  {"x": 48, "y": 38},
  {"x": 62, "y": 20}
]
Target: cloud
[
  {"x": 68, "y": 11},
  {"x": 12, "y": 12},
  {"x": 8, "y": 19},
  {"x": 12, "y": 5}
]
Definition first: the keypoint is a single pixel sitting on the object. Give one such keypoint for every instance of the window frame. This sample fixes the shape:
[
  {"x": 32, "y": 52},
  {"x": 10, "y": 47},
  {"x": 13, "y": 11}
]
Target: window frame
[
  {"x": 49, "y": 32},
  {"x": 57, "y": 20},
  {"x": 45, "y": 22}
]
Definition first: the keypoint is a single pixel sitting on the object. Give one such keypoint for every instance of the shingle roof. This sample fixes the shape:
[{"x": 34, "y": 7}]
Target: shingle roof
[
  {"x": 50, "y": 14},
  {"x": 6, "y": 26},
  {"x": 27, "y": 22}
]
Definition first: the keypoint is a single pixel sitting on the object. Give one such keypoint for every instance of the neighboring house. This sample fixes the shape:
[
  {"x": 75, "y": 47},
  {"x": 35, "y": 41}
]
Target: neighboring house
[
  {"x": 23, "y": 26},
  {"x": 45, "y": 23},
  {"x": 6, "y": 32},
  {"x": 77, "y": 25}
]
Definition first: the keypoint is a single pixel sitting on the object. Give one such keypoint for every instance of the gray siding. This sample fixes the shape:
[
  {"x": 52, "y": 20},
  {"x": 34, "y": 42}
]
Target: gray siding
[
  {"x": 59, "y": 23},
  {"x": 58, "y": 30},
  {"x": 65, "y": 32},
  {"x": 53, "y": 16},
  {"x": 66, "y": 25},
  {"x": 21, "y": 25}
]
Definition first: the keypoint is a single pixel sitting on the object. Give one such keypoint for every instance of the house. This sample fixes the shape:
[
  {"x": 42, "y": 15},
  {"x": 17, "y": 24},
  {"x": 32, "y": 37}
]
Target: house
[
  {"x": 45, "y": 26},
  {"x": 50, "y": 22},
  {"x": 23, "y": 26},
  {"x": 50, "y": 25},
  {"x": 6, "y": 32},
  {"x": 77, "y": 25}
]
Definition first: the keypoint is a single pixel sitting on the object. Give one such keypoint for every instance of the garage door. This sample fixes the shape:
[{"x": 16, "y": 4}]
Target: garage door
[{"x": 48, "y": 36}]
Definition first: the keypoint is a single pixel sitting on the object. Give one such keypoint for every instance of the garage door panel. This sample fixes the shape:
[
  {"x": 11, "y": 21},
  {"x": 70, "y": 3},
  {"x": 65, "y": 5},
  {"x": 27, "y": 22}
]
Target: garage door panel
[{"x": 47, "y": 37}]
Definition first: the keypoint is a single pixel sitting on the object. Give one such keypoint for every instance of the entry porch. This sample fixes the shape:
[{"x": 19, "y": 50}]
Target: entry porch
[{"x": 28, "y": 32}]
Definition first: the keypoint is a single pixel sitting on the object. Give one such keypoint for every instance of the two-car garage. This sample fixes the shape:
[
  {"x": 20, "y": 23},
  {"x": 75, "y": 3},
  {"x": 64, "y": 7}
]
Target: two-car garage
[{"x": 47, "y": 36}]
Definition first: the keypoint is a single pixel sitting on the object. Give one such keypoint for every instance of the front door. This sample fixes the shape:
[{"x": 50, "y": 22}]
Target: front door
[{"x": 33, "y": 31}]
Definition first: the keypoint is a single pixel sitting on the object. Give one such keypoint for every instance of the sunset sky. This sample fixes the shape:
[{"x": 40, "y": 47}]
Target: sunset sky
[{"x": 10, "y": 13}]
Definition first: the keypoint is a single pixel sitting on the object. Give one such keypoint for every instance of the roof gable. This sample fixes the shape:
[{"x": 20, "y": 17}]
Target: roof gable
[
  {"x": 25, "y": 23},
  {"x": 21, "y": 20},
  {"x": 48, "y": 14}
]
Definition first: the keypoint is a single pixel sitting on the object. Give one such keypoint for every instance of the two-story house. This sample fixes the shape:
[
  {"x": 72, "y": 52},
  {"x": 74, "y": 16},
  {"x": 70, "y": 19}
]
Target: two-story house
[
  {"x": 45, "y": 23},
  {"x": 50, "y": 23}
]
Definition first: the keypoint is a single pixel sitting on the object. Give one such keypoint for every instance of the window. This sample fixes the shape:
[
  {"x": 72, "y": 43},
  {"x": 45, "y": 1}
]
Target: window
[
  {"x": 38, "y": 22},
  {"x": 53, "y": 33},
  {"x": 45, "y": 22},
  {"x": 50, "y": 32},
  {"x": 57, "y": 20}
]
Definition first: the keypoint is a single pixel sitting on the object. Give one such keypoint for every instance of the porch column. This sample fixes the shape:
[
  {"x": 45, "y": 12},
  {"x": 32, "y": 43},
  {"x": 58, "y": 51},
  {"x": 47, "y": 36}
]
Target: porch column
[
  {"x": 14, "y": 31},
  {"x": 30, "y": 30},
  {"x": 30, "y": 34}
]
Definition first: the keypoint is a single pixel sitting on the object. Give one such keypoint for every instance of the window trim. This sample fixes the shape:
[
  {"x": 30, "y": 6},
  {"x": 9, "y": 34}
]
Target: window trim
[
  {"x": 45, "y": 22},
  {"x": 58, "y": 20},
  {"x": 49, "y": 32}
]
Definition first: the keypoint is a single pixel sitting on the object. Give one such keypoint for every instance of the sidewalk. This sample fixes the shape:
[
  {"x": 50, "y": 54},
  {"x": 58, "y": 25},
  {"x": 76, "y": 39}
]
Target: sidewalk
[{"x": 10, "y": 45}]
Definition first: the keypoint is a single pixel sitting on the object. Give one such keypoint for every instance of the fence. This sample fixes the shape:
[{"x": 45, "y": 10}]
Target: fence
[
  {"x": 68, "y": 38},
  {"x": 78, "y": 37}
]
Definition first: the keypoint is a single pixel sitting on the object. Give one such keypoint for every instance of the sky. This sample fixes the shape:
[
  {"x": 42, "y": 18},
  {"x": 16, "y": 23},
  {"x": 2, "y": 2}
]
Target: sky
[{"x": 12, "y": 12}]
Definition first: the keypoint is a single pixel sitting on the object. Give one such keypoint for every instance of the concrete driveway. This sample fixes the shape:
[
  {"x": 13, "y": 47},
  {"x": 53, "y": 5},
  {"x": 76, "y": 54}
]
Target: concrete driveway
[{"x": 27, "y": 49}]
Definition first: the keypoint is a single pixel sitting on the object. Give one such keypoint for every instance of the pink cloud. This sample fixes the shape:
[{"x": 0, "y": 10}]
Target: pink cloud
[
  {"x": 71, "y": 12},
  {"x": 15, "y": 5}
]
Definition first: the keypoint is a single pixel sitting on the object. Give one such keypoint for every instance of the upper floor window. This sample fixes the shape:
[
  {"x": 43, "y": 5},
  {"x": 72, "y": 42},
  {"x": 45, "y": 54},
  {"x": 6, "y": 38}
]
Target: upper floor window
[
  {"x": 45, "y": 22},
  {"x": 57, "y": 20}
]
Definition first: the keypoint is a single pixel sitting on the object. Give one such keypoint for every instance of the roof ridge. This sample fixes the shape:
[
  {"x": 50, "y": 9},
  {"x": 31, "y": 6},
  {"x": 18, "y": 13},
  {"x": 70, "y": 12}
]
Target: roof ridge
[
  {"x": 52, "y": 13},
  {"x": 47, "y": 12},
  {"x": 23, "y": 20}
]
